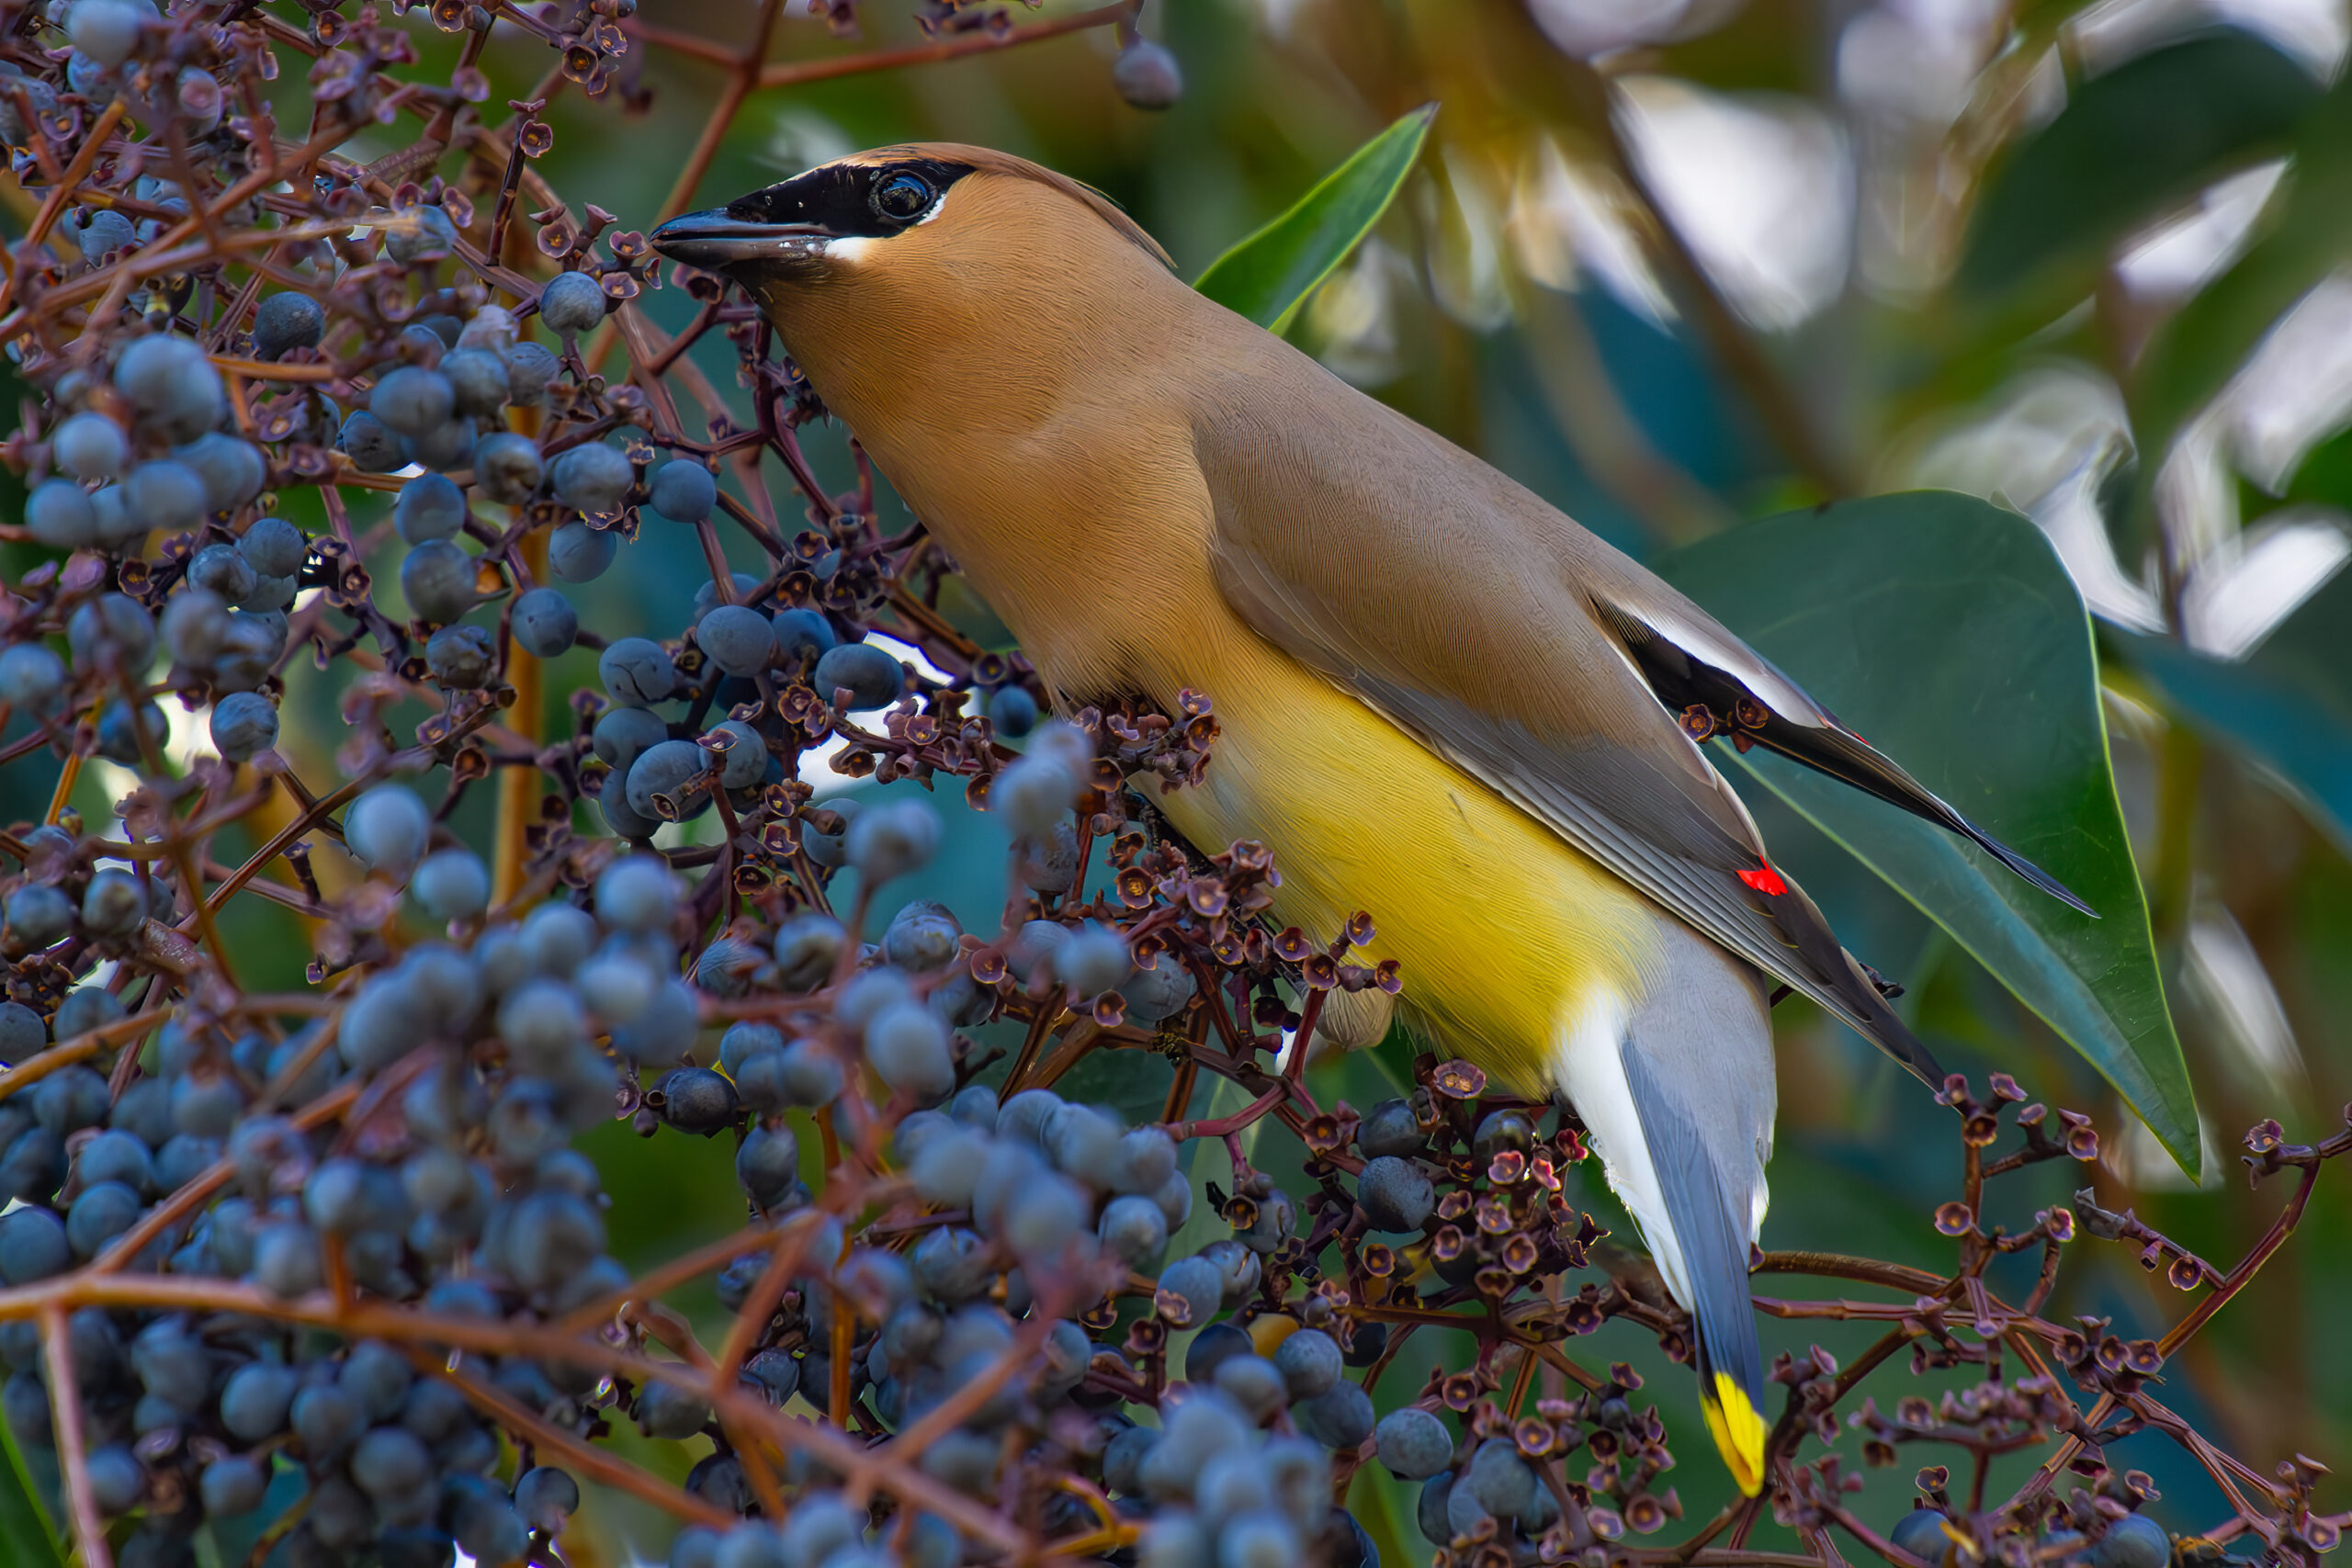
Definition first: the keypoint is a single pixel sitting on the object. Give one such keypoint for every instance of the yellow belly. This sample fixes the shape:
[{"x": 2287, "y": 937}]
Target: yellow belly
[{"x": 1504, "y": 933}]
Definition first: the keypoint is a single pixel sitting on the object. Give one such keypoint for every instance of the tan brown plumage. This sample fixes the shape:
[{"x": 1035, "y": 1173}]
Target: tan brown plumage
[{"x": 1439, "y": 699}]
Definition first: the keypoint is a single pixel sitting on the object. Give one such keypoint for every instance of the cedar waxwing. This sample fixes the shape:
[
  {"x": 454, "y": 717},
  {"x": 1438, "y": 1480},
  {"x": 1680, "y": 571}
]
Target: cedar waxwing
[{"x": 1439, "y": 698}]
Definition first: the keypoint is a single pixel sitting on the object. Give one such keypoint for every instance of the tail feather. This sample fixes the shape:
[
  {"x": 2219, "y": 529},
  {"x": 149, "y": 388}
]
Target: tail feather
[{"x": 1710, "y": 1224}]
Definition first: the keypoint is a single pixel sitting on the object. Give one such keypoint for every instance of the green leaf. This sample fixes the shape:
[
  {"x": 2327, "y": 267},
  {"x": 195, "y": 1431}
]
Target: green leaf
[
  {"x": 2194, "y": 354},
  {"x": 2288, "y": 706},
  {"x": 1269, "y": 275},
  {"x": 1944, "y": 629},
  {"x": 25, "y": 1535},
  {"x": 2129, "y": 144}
]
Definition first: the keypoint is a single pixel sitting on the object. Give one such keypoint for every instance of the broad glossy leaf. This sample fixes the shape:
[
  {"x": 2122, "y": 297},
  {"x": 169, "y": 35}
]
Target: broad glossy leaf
[
  {"x": 25, "y": 1535},
  {"x": 1269, "y": 275},
  {"x": 2196, "y": 351},
  {"x": 1944, "y": 629},
  {"x": 2288, "y": 706},
  {"x": 2129, "y": 144}
]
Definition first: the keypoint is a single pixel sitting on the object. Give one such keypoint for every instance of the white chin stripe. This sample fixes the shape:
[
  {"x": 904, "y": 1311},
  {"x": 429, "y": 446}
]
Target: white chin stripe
[
  {"x": 1591, "y": 1070},
  {"x": 849, "y": 250}
]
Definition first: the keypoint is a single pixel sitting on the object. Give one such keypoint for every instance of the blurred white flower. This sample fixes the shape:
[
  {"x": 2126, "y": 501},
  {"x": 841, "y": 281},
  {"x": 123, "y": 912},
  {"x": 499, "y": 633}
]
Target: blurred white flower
[
  {"x": 2315, "y": 32},
  {"x": 1588, "y": 28},
  {"x": 801, "y": 139},
  {"x": 2239, "y": 592},
  {"x": 1760, "y": 186},
  {"x": 1351, "y": 320},
  {"x": 1569, "y": 219},
  {"x": 2193, "y": 247},
  {"x": 2044, "y": 444},
  {"x": 2225, "y": 980}
]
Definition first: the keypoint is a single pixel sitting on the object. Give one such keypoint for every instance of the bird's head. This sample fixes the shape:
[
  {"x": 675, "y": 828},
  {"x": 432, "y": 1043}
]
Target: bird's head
[{"x": 928, "y": 221}]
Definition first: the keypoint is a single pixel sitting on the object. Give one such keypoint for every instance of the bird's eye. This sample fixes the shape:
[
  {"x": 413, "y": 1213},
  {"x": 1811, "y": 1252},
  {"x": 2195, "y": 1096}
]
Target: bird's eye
[{"x": 902, "y": 198}]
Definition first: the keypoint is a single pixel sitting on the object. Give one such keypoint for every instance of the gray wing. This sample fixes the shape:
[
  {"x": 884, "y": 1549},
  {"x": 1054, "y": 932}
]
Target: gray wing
[{"x": 1457, "y": 604}]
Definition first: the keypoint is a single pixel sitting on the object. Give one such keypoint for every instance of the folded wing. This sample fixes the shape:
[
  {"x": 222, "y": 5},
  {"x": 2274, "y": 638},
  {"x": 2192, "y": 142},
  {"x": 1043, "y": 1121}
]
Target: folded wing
[{"x": 1461, "y": 607}]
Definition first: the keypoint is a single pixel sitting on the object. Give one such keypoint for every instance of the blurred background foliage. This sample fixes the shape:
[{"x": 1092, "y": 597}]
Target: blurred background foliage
[{"x": 1676, "y": 265}]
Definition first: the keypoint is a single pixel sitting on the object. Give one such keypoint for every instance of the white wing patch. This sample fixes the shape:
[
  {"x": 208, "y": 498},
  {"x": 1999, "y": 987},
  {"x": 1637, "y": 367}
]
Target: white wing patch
[{"x": 1767, "y": 682}]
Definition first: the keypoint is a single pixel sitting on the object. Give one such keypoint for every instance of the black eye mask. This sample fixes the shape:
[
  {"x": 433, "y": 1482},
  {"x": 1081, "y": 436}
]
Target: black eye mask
[{"x": 868, "y": 201}]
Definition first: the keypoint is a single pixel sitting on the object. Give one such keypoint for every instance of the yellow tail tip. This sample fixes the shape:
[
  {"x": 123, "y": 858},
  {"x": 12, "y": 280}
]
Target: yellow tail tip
[{"x": 1738, "y": 1430}]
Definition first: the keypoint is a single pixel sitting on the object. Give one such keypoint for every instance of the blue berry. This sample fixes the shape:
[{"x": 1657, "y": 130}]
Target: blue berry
[
  {"x": 666, "y": 783},
  {"x": 624, "y": 734},
  {"x": 1033, "y": 796},
  {"x": 463, "y": 656},
  {"x": 1147, "y": 76},
  {"x": 30, "y": 677},
  {"x": 419, "y": 233},
  {"x": 452, "y": 885},
  {"x": 438, "y": 580},
  {"x": 169, "y": 380},
  {"x": 572, "y": 303},
  {"x": 802, "y": 635},
  {"x": 391, "y": 1462},
  {"x": 594, "y": 477},
  {"x": 274, "y": 548},
  {"x": 1921, "y": 1533},
  {"x": 286, "y": 322},
  {"x": 1339, "y": 1417},
  {"x": 370, "y": 444},
  {"x": 889, "y": 840},
  {"x": 244, "y": 725},
  {"x": 231, "y": 1485},
  {"x": 806, "y": 947},
  {"x": 1391, "y": 1128},
  {"x": 636, "y": 670},
  {"x": 909, "y": 1048},
  {"x": 478, "y": 378},
  {"x": 428, "y": 507},
  {"x": 103, "y": 1212},
  {"x": 104, "y": 231},
  {"x": 222, "y": 571},
  {"x": 164, "y": 494},
  {"x": 922, "y": 937},
  {"x": 387, "y": 826},
  {"x": 872, "y": 677},
  {"x": 61, "y": 515},
  {"x": 1133, "y": 1229},
  {"x": 547, "y": 1496},
  {"x": 738, "y": 638},
  {"x": 683, "y": 490},
  {"x": 107, "y": 30},
  {"x": 543, "y": 622},
  {"x": 508, "y": 468},
  {"x": 1012, "y": 710},
  {"x": 1396, "y": 1195},
  {"x": 89, "y": 445},
  {"x": 233, "y": 470},
  {"x": 1413, "y": 1443},
  {"x": 530, "y": 368},
  {"x": 444, "y": 447},
  {"x": 1309, "y": 1362},
  {"x": 32, "y": 1245},
  {"x": 578, "y": 553},
  {"x": 118, "y": 1480},
  {"x": 768, "y": 1164},
  {"x": 745, "y": 760},
  {"x": 21, "y": 1030},
  {"x": 411, "y": 401},
  {"x": 254, "y": 1400},
  {"x": 637, "y": 894},
  {"x": 2133, "y": 1541},
  {"x": 1093, "y": 961}
]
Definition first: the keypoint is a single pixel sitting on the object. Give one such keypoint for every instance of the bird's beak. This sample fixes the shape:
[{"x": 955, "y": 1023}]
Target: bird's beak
[{"x": 713, "y": 240}]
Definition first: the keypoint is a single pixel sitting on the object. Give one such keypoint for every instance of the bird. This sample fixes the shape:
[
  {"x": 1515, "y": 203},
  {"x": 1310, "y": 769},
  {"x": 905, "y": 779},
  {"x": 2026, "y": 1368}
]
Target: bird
[{"x": 1438, "y": 697}]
